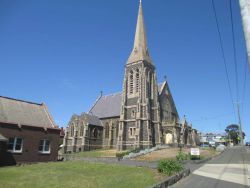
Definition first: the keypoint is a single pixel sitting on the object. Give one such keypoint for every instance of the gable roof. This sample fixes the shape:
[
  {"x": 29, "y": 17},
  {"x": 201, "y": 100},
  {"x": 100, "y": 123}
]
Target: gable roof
[
  {"x": 25, "y": 113},
  {"x": 161, "y": 87},
  {"x": 107, "y": 106},
  {"x": 165, "y": 87}
]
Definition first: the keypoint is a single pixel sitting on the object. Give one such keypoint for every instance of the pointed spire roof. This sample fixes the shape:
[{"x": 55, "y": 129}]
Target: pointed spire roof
[{"x": 140, "y": 50}]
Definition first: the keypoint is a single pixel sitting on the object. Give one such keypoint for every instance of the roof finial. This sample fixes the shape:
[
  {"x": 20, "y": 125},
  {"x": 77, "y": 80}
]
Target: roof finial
[{"x": 140, "y": 1}]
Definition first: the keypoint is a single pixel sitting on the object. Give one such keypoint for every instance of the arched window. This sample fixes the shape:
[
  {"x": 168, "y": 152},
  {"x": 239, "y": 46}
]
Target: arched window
[
  {"x": 131, "y": 82},
  {"x": 107, "y": 130},
  {"x": 117, "y": 128},
  {"x": 95, "y": 133},
  {"x": 137, "y": 80},
  {"x": 72, "y": 130},
  {"x": 81, "y": 130}
]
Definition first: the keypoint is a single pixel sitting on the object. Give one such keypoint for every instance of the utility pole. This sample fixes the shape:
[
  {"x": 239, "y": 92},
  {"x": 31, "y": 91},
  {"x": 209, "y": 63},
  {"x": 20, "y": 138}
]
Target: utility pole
[
  {"x": 245, "y": 15},
  {"x": 240, "y": 126}
]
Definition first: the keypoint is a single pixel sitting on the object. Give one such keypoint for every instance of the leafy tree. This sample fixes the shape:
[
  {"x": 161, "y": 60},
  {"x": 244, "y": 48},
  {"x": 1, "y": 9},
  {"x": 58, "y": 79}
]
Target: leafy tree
[{"x": 233, "y": 133}]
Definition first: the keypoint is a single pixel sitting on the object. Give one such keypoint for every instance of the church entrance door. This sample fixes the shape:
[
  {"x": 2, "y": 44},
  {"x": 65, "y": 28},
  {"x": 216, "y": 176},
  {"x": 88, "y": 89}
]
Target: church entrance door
[{"x": 169, "y": 138}]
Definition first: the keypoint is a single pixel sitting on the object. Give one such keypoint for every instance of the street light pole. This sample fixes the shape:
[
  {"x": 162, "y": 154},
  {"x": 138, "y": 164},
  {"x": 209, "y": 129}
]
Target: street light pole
[{"x": 240, "y": 126}]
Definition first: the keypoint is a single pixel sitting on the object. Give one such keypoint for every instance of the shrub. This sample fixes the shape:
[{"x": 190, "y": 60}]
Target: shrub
[
  {"x": 182, "y": 156},
  {"x": 122, "y": 154},
  {"x": 194, "y": 157},
  {"x": 169, "y": 167}
]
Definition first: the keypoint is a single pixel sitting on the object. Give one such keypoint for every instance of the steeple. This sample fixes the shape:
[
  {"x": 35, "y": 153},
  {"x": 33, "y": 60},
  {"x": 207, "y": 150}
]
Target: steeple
[{"x": 140, "y": 49}]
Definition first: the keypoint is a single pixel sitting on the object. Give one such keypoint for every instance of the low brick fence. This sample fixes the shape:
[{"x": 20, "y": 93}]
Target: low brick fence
[{"x": 173, "y": 179}]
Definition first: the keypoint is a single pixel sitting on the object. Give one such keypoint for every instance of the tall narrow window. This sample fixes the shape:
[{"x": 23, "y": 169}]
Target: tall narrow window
[
  {"x": 117, "y": 128},
  {"x": 137, "y": 80},
  {"x": 81, "y": 130},
  {"x": 107, "y": 130},
  {"x": 72, "y": 130},
  {"x": 95, "y": 133},
  {"x": 131, "y": 82}
]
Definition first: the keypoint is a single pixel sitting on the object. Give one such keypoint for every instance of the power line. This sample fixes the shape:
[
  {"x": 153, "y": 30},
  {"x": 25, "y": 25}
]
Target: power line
[
  {"x": 244, "y": 83},
  {"x": 234, "y": 52},
  {"x": 223, "y": 56},
  {"x": 213, "y": 117}
]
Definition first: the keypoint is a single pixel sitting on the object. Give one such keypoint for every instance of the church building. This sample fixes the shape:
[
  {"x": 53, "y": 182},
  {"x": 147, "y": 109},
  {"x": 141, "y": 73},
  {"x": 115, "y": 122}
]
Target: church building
[{"x": 143, "y": 115}]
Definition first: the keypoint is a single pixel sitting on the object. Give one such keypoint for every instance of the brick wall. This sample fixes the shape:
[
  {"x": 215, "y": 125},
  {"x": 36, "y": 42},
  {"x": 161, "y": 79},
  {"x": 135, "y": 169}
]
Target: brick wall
[{"x": 31, "y": 137}]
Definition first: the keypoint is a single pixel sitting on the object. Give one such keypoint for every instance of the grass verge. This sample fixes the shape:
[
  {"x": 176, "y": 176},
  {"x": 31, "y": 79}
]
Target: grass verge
[{"x": 77, "y": 174}]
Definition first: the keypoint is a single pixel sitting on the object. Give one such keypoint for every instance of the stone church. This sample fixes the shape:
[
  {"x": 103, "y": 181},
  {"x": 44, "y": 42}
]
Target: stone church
[{"x": 143, "y": 115}]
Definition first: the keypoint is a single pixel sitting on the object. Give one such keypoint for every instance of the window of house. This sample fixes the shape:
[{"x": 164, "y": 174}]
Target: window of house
[
  {"x": 15, "y": 145},
  {"x": 131, "y": 82},
  {"x": 44, "y": 146}
]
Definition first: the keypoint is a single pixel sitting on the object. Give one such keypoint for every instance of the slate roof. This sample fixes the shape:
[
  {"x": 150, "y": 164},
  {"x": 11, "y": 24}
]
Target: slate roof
[
  {"x": 91, "y": 119},
  {"x": 110, "y": 105},
  {"x": 160, "y": 87},
  {"x": 2, "y": 138},
  {"x": 25, "y": 113},
  {"x": 107, "y": 106}
]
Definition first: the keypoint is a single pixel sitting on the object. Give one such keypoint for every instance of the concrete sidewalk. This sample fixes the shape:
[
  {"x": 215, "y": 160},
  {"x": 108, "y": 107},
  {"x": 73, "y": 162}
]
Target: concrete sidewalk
[{"x": 229, "y": 170}]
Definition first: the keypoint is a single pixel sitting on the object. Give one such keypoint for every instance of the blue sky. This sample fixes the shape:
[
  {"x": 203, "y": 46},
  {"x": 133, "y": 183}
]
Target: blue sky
[{"x": 65, "y": 52}]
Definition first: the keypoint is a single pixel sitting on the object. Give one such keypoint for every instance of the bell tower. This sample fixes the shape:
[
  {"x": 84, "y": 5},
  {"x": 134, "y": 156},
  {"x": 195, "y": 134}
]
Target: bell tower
[{"x": 140, "y": 125}]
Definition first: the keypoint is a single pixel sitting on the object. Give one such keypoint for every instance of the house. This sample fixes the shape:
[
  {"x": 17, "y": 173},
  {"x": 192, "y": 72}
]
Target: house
[
  {"x": 212, "y": 139},
  {"x": 27, "y": 132}
]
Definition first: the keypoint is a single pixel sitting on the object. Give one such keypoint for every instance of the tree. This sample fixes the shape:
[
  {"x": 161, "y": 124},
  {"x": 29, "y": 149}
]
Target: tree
[{"x": 233, "y": 133}]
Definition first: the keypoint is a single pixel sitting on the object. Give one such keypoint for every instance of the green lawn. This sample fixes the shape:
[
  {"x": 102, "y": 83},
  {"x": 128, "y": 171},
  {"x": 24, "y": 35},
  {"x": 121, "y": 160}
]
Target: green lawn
[{"x": 77, "y": 174}]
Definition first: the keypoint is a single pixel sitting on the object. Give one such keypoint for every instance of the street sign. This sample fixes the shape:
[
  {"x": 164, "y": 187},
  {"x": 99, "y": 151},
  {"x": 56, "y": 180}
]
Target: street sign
[{"x": 195, "y": 152}]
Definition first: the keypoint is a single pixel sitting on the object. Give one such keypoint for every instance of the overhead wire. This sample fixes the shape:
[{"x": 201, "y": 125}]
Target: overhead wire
[
  {"x": 234, "y": 52},
  {"x": 223, "y": 56},
  {"x": 244, "y": 83}
]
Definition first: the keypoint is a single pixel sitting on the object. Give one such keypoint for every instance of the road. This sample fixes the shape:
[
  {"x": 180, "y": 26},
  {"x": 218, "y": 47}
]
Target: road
[{"x": 229, "y": 170}]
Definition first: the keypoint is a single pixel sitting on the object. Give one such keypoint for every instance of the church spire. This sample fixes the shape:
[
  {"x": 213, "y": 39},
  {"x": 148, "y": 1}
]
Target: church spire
[{"x": 140, "y": 50}]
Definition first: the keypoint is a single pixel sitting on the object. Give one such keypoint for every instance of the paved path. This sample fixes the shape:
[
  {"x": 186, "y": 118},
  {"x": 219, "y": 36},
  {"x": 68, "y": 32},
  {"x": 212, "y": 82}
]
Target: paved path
[
  {"x": 109, "y": 160},
  {"x": 229, "y": 170},
  {"x": 128, "y": 162}
]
